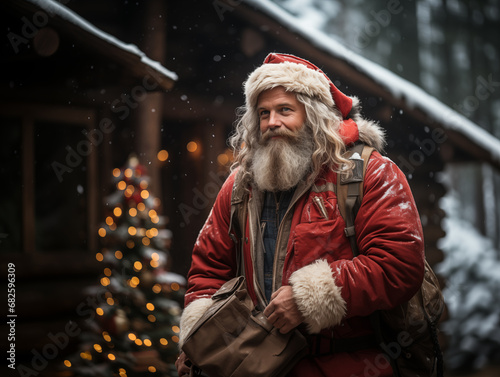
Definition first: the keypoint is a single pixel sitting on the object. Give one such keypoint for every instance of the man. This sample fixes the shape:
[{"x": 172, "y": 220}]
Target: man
[{"x": 299, "y": 265}]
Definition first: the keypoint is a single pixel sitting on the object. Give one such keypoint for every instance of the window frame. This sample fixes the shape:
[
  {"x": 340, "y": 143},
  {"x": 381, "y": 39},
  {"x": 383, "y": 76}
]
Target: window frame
[{"x": 34, "y": 261}]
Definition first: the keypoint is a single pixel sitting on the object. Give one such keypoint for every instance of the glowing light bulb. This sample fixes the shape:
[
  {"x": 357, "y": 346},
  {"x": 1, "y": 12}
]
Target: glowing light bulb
[
  {"x": 134, "y": 282},
  {"x": 157, "y": 288},
  {"x": 192, "y": 146},
  {"x": 222, "y": 159},
  {"x": 162, "y": 155}
]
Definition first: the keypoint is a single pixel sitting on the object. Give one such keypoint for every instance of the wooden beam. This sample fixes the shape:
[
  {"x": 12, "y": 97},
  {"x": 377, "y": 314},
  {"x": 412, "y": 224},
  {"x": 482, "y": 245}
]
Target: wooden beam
[
  {"x": 148, "y": 114},
  {"x": 28, "y": 186},
  {"x": 49, "y": 264}
]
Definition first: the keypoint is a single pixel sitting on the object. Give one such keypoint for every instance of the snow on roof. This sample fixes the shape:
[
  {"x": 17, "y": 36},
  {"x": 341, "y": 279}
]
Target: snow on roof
[
  {"x": 54, "y": 8},
  {"x": 414, "y": 96}
]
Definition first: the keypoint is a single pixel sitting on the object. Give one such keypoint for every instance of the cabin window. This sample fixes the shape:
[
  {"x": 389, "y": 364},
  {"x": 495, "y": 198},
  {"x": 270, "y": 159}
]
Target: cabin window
[
  {"x": 60, "y": 190},
  {"x": 49, "y": 195}
]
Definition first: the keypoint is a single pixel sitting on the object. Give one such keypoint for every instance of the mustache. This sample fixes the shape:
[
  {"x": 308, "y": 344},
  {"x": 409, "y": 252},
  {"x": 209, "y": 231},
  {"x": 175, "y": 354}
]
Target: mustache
[{"x": 281, "y": 132}]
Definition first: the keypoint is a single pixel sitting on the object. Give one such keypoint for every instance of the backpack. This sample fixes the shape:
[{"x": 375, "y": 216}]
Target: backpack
[{"x": 407, "y": 334}]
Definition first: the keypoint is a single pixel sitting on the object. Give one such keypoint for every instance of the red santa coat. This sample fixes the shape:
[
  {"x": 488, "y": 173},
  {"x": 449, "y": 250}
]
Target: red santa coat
[{"x": 334, "y": 291}]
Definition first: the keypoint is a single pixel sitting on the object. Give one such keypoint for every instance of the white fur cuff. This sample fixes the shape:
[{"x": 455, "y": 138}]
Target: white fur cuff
[
  {"x": 191, "y": 314},
  {"x": 317, "y": 296}
]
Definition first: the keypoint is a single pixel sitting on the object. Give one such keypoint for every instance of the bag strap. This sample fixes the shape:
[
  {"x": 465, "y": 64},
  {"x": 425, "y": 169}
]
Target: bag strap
[
  {"x": 349, "y": 197},
  {"x": 237, "y": 221},
  {"x": 350, "y": 190}
]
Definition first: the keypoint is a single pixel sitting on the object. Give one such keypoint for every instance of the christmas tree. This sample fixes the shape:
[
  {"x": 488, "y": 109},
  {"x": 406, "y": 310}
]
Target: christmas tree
[{"x": 134, "y": 331}]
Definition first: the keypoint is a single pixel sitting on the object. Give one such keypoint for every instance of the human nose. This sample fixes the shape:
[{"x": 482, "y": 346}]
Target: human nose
[{"x": 274, "y": 120}]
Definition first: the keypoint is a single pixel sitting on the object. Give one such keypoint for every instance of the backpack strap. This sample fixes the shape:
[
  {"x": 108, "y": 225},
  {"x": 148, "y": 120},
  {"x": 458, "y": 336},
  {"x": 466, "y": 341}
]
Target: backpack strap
[
  {"x": 350, "y": 190},
  {"x": 349, "y": 196}
]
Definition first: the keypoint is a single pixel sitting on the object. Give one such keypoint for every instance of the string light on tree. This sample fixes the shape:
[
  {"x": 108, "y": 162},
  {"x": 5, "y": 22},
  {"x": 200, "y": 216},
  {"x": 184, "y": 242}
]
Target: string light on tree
[{"x": 133, "y": 332}]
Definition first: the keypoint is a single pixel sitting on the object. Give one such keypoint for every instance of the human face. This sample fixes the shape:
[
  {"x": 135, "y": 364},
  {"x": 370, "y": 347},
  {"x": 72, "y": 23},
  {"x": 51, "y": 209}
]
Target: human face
[{"x": 279, "y": 109}]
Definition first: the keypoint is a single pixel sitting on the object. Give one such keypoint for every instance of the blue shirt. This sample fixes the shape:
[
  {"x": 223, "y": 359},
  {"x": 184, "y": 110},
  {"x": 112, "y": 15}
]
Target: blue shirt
[{"x": 273, "y": 211}]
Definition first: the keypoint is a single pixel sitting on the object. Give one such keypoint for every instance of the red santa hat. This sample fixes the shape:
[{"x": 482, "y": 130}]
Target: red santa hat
[{"x": 296, "y": 75}]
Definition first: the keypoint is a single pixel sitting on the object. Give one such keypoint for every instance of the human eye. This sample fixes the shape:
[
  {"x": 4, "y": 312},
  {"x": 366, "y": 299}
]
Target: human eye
[{"x": 263, "y": 113}]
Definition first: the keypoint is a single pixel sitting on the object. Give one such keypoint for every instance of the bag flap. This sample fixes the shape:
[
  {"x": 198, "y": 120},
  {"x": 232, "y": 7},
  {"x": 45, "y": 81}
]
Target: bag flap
[
  {"x": 228, "y": 288},
  {"x": 220, "y": 298}
]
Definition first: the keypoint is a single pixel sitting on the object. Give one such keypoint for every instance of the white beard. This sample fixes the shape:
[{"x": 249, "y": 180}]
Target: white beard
[{"x": 280, "y": 164}]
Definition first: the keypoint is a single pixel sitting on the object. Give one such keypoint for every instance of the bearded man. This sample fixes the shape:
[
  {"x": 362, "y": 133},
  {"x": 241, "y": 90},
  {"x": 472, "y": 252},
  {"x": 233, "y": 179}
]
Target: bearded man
[{"x": 289, "y": 140}]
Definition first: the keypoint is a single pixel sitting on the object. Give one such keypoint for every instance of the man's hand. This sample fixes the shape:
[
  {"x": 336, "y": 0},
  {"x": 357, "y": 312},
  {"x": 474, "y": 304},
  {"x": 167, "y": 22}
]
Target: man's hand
[
  {"x": 282, "y": 311},
  {"x": 183, "y": 365}
]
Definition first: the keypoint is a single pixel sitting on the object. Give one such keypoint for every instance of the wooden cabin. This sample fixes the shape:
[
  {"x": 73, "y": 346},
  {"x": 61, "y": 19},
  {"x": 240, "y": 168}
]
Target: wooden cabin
[{"x": 63, "y": 81}]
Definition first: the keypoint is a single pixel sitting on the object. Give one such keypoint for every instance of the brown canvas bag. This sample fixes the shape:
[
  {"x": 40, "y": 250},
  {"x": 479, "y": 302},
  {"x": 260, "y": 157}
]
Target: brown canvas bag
[{"x": 232, "y": 339}]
